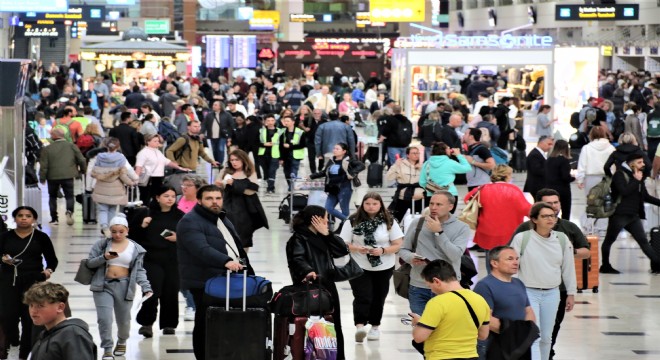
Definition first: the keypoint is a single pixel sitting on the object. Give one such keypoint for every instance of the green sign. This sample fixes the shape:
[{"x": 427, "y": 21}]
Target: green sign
[{"x": 157, "y": 26}]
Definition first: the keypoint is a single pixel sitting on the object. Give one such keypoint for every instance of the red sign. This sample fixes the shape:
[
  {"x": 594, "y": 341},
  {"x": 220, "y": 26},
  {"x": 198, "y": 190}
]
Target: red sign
[{"x": 266, "y": 53}]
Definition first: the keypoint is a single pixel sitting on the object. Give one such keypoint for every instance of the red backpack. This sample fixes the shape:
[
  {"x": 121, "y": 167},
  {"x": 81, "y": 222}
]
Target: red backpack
[{"x": 85, "y": 143}]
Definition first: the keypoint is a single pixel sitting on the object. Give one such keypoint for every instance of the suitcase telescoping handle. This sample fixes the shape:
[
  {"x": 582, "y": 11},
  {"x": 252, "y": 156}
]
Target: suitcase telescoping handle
[
  {"x": 244, "y": 289},
  {"x": 412, "y": 204}
]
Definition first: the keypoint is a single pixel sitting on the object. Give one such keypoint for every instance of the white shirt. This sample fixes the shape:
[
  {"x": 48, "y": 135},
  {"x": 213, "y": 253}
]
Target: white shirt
[
  {"x": 152, "y": 161},
  {"x": 383, "y": 239},
  {"x": 545, "y": 156}
]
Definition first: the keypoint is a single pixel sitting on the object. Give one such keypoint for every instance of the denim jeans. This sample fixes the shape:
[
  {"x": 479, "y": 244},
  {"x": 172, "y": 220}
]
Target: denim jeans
[
  {"x": 291, "y": 167},
  {"x": 219, "y": 146},
  {"x": 343, "y": 198},
  {"x": 53, "y": 189},
  {"x": 270, "y": 166},
  {"x": 190, "y": 302},
  {"x": 545, "y": 304},
  {"x": 391, "y": 154},
  {"x": 106, "y": 213},
  {"x": 427, "y": 153},
  {"x": 418, "y": 297}
]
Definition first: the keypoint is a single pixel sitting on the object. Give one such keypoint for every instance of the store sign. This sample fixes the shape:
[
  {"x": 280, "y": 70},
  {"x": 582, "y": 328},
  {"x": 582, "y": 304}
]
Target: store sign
[
  {"x": 321, "y": 50},
  {"x": 506, "y": 41},
  {"x": 157, "y": 26},
  {"x": 606, "y": 12},
  {"x": 606, "y": 50},
  {"x": 302, "y": 18},
  {"x": 92, "y": 56},
  {"x": 362, "y": 19},
  {"x": 265, "y": 20},
  {"x": 34, "y": 5},
  {"x": 397, "y": 10},
  {"x": 266, "y": 54},
  {"x": 47, "y": 31}
]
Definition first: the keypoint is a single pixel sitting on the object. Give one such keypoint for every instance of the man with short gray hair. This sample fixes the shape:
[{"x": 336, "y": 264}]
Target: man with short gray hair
[{"x": 439, "y": 236}]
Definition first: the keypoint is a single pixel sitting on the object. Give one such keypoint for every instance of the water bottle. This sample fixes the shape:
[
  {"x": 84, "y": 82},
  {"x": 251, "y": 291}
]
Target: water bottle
[{"x": 608, "y": 203}]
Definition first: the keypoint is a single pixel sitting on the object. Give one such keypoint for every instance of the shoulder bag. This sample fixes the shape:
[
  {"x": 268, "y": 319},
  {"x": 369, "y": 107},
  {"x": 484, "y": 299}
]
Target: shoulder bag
[
  {"x": 432, "y": 186},
  {"x": 470, "y": 214},
  {"x": 401, "y": 276},
  {"x": 84, "y": 274},
  {"x": 349, "y": 271}
]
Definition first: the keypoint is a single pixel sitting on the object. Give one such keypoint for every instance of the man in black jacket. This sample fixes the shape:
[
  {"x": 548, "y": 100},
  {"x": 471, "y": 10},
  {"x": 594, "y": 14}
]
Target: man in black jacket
[
  {"x": 536, "y": 166},
  {"x": 207, "y": 246},
  {"x": 396, "y": 134},
  {"x": 135, "y": 99},
  {"x": 628, "y": 187},
  {"x": 218, "y": 126},
  {"x": 128, "y": 137},
  {"x": 501, "y": 113}
]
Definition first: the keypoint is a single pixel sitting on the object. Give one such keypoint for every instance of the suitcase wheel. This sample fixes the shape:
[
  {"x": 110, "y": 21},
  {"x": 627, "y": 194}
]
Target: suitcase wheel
[{"x": 595, "y": 289}]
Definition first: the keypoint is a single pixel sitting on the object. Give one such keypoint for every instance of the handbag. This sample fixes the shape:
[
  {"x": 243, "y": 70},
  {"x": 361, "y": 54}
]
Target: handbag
[
  {"x": 401, "y": 276},
  {"x": 84, "y": 274},
  {"x": 302, "y": 300},
  {"x": 470, "y": 214},
  {"x": 349, "y": 271},
  {"x": 356, "y": 182},
  {"x": 432, "y": 186},
  {"x": 144, "y": 178}
]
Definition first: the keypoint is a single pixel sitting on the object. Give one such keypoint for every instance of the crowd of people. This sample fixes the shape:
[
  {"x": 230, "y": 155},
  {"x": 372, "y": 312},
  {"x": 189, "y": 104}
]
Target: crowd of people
[{"x": 151, "y": 136}]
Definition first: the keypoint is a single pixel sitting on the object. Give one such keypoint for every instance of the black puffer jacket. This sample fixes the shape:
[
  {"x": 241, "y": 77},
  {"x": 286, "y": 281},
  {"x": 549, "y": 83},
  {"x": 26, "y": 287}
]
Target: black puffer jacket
[
  {"x": 632, "y": 192},
  {"x": 307, "y": 252},
  {"x": 619, "y": 156}
]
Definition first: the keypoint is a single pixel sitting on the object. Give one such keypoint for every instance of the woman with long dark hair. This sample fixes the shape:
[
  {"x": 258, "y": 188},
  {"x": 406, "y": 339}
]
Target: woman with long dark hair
[
  {"x": 241, "y": 202},
  {"x": 309, "y": 253},
  {"x": 157, "y": 236},
  {"x": 22, "y": 251},
  {"x": 558, "y": 175},
  {"x": 373, "y": 237}
]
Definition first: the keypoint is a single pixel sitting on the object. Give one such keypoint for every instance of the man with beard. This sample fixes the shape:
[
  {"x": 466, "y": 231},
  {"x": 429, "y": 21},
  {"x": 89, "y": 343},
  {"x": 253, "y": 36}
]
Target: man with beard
[{"x": 207, "y": 246}]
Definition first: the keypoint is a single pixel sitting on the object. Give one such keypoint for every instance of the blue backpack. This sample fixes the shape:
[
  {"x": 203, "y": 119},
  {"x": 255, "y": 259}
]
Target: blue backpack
[
  {"x": 501, "y": 156},
  {"x": 258, "y": 290},
  {"x": 168, "y": 132}
]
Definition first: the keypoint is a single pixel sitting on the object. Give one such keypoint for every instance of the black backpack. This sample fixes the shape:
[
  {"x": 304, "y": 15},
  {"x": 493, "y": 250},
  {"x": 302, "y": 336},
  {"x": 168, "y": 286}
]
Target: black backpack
[{"x": 618, "y": 128}]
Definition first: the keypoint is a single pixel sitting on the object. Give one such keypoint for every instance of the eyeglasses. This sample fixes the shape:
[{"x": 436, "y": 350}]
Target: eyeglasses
[{"x": 548, "y": 216}]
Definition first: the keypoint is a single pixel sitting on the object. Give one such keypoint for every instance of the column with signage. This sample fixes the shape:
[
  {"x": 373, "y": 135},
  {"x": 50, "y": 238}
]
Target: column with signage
[{"x": 290, "y": 31}]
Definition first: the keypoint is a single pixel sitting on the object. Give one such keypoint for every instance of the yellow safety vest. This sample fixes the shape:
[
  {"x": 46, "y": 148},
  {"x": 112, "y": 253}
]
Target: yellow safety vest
[
  {"x": 275, "y": 149},
  {"x": 298, "y": 154}
]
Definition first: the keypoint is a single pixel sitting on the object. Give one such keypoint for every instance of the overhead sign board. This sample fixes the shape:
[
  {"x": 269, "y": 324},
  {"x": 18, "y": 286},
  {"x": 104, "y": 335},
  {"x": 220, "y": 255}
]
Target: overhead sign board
[
  {"x": 34, "y": 30},
  {"x": 78, "y": 12},
  {"x": 597, "y": 12},
  {"x": 397, "y": 10},
  {"x": 218, "y": 54},
  {"x": 302, "y": 18},
  {"x": 60, "y": 6},
  {"x": 265, "y": 20},
  {"x": 157, "y": 26}
]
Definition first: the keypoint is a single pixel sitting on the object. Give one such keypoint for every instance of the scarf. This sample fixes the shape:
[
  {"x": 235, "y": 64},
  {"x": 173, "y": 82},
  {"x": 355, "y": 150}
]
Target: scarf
[{"x": 367, "y": 229}]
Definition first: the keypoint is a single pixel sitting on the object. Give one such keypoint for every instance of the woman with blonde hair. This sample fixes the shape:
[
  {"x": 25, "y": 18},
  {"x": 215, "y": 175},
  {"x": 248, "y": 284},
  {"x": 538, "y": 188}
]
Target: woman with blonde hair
[
  {"x": 241, "y": 201},
  {"x": 112, "y": 173},
  {"x": 503, "y": 208}
]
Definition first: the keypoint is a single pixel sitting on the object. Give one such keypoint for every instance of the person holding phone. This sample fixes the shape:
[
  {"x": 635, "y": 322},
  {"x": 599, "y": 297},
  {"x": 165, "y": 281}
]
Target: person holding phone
[
  {"x": 158, "y": 237},
  {"x": 118, "y": 264},
  {"x": 309, "y": 254},
  {"x": 22, "y": 251},
  {"x": 373, "y": 237}
]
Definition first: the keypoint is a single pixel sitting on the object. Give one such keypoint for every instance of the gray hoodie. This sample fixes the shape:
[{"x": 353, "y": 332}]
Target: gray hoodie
[
  {"x": 449, "y": 246},
  {"x": 70, "y": 339}
]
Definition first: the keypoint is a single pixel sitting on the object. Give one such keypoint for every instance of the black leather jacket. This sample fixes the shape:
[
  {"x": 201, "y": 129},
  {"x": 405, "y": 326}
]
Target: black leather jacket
[{"x": 307, "y": 252}]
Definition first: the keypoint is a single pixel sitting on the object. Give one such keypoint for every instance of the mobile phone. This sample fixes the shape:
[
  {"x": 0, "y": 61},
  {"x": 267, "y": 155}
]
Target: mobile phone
[
  {"x": 419, "y": 257},
  {"x": 113, "y": 253},
  {"x": 406, "y": 320},
  {"x": 166, "y": 233}
]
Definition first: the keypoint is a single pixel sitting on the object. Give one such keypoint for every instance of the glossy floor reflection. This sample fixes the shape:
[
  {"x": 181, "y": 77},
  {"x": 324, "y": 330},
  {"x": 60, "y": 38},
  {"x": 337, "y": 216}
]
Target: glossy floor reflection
[{"x": 620, "y": 322}]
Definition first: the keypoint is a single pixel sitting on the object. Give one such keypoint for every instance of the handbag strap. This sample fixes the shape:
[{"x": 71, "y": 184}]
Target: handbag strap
[
  {"x": 474, "y": 316},
  {"x": 418, "y": 229}
]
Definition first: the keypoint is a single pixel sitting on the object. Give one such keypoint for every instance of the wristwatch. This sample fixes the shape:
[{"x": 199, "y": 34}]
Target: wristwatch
[{"x": 439, "y": 233}]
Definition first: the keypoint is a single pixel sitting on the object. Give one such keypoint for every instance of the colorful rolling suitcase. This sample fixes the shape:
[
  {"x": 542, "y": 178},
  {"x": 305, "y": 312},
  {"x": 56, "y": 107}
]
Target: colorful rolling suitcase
[
  {"x": 290, "y": 335},
  {"x": 586, "y": 270},
  {"x": 233, "y": 334}
]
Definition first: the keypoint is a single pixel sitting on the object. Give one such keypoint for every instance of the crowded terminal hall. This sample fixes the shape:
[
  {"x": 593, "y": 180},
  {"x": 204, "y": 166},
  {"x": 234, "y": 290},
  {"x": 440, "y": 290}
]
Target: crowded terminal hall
[{"x": 349, "y": 179}]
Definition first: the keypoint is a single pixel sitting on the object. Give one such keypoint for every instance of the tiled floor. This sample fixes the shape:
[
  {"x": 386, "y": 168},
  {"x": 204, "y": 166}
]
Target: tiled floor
[{"x": 619, "y": 322}]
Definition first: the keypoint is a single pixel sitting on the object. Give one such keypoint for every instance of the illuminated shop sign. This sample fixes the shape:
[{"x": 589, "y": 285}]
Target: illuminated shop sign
[
  {"x": 597, "y": 12},
  {"x": 80, "y": 12},
  {"x": 48, "y": 31},
  {"x": 506, "y": 41},
  {"x": 303, "y": 18}
]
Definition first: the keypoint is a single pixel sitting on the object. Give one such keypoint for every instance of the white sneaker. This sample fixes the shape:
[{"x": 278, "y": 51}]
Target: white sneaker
[
  {"x": 189, "y": 314},
  {"x": 360, "y": 334},
  {"x": 374, "y": 334}
]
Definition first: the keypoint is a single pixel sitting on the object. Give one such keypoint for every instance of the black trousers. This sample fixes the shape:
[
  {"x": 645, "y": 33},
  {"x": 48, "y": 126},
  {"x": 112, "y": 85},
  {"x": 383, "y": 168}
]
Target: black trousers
[
  {"x": 369, "y": 292},
  {"x": 561, "y": 311},
  {"x": 14, "y": 311},
  {"x": 314, "y": 163},
  {"x": 634, "y": 226},
  {"x": 163, "y": 274},
  {"x": 53, "y": 189},
  {"x": 199, "y": 330},
  {"x": 148, "y": 192}
]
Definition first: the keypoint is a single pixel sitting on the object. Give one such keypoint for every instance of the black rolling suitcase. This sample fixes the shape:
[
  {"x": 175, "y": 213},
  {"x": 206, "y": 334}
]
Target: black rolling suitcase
[
  {"x": 518, "y": 161},
  {"x": 88, "y": 205},
  {"x": 655, "y": 244},
  {"x": 375, "y": 170},
  {"x": 233, "y": 334}
]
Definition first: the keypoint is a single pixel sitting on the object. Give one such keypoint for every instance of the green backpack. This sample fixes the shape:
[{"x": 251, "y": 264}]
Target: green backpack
[
  {"x": 600, "y": 203},
  {"x": 65, "y": 129}
]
